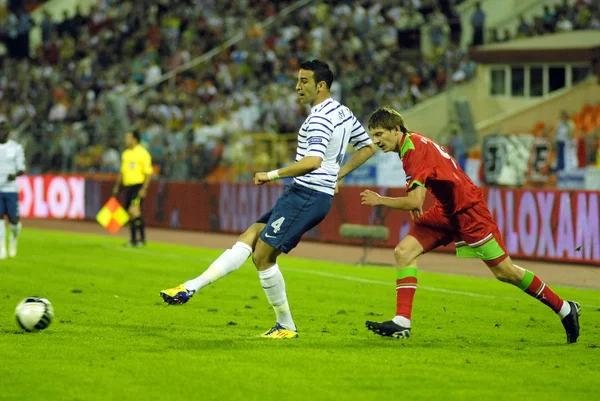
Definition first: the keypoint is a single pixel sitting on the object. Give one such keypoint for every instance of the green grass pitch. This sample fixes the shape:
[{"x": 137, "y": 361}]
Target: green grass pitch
[{"x": 113, "y": 339}]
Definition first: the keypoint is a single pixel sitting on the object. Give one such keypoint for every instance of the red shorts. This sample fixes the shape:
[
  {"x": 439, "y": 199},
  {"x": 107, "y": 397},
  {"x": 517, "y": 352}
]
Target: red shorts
[{"x": 473, "y": 227}]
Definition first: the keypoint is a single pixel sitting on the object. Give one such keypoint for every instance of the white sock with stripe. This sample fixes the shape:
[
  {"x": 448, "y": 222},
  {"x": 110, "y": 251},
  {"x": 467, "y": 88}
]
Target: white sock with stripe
[
  {"x": 229, "y": 261},
  {"x": 274, "y": 285}
]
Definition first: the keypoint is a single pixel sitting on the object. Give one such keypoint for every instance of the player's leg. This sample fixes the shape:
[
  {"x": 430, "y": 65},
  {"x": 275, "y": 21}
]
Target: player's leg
[
  {"x": 3, "y": 211},
  {"x": 406, "y": 254},
  {"x": 484, "y": 241},
  {"x": 272, "y": 282},
  {"x": 428, "y": 232},
  {"x": 568, "y": 311},
  {"x": 229, "y": 261},
  {"x": 297, "y": 211},
  {"x": 12, "y": 203}
]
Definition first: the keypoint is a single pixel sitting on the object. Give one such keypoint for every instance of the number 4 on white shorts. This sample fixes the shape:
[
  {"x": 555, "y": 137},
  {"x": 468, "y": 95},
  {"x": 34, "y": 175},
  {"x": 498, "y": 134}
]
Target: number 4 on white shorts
[{"x": 277, "y": 224}]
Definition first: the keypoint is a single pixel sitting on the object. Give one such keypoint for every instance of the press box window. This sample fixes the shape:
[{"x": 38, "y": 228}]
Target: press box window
[
  {"x": 536, "y": 81},
  {"x": 498, "y": 81},
  {"x": 556, "y": 78},
  {"x": 517, "y": 81},
  {"x": 580, "y": 74}
]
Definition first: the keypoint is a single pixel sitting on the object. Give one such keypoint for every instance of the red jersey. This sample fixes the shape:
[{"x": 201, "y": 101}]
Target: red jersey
[{"x": 426, "y": 163}]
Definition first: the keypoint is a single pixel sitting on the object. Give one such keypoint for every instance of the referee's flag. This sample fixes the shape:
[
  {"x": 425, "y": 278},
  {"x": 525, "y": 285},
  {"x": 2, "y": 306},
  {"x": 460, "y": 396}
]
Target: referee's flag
[{"x": 112, "y": 216}]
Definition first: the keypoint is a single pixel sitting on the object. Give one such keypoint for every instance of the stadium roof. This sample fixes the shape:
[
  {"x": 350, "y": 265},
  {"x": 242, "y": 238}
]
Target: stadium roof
[{"x": 561, "y": 47}]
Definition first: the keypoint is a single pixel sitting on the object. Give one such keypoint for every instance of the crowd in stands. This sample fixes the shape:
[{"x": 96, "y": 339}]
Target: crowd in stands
[
  {"x": 566, "y": 16},
  {"x": 575, "y": 137},
  {"x": 72, "y": 94},
  {"x": 71, "y": 98}
]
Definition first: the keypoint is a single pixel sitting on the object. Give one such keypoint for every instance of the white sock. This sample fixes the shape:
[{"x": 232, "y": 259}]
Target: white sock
[
  {"x": 274, "y": 285},
  {"x": 401, "y": 321},
  {"x": 15, "y": 230},
  {"x": 2, "y": 233},
  {"x": 230, "y": 260},
  {"x": 565, "y": 309}
]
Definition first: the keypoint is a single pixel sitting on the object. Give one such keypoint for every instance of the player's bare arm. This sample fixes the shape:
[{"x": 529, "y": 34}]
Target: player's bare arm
[
  {"x": 301, "y": 167},
  {"x": 357, "y": 159},
  {"x": 413, "y": 201}
]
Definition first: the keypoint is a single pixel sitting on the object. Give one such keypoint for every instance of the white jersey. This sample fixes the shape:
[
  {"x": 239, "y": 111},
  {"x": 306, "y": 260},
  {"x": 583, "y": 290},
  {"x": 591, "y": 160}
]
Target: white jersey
[
  {"x": 326, "y": 133},
  {"x": 12, "y": 159}
]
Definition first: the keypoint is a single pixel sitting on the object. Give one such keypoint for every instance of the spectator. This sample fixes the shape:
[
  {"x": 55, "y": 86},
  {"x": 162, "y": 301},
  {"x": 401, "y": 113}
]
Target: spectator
[
  {"x": 24, "y": 26},
  {"x": 494, "y": 37},
  {"x": 595, "y": 21},
  {"x": 438, "y": 28},
  {"x": 523, "y": 30},
  {"x": 79, "y": 22},
  {"x": 67, "y": 26},
  {"x": 47, "y": 27},
  {"x": 549, "y": 19},
  {"x": 562, "y": 137},
  {"x": 478, "y": 23},
  {"x": 458, "y": 149},
  {"x": 153, "y": 73},
  {"x": 68, "y": 148},
  {"x": 563, "y": 24},
  {"x": 455, "y": 25},
  {"x": 111, "y": 159}
]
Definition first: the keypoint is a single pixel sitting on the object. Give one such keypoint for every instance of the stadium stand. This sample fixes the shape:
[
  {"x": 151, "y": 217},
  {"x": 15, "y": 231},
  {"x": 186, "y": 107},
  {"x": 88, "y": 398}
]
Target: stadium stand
[
  {"x": 70, "y": 91},
  {"x": 67, "y": 97}
]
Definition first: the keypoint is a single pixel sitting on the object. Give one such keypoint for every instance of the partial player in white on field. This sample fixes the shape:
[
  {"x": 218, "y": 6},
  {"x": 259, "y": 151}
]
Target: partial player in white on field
[
  {"x": 12, "y": 165},
  {"x": 322, "y": 143}
]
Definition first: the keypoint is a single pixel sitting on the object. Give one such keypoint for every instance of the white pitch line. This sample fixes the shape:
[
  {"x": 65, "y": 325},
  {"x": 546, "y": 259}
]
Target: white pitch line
[
  {"x": 423, "y": 287},
  {"x": 325, "y": 274}
]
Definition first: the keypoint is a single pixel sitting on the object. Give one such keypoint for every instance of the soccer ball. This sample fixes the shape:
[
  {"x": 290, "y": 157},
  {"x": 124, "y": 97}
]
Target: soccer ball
[{"x": 34, "y": 314}]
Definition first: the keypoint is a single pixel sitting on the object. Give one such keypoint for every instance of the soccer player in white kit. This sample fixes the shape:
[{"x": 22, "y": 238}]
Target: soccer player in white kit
[
  {"x": 322, "y": 143},
  {"x": 12, "y": 165}
]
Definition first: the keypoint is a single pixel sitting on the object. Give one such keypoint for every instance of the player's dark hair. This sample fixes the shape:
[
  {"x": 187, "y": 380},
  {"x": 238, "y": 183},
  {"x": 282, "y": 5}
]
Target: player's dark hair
[
  {"x": 136, "y": 134},
  {"x": 321, "y": 70},
  {"x": 387, "y": 118}
]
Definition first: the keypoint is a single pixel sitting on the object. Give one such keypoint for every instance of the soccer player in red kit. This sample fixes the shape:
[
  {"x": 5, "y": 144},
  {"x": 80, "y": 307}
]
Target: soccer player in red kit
[{"x": 459, "y": 214}]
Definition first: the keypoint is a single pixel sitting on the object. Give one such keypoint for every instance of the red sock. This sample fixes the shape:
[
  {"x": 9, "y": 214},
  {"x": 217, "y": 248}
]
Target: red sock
[
  {"x": 406, "y": 286},
  {"x": 535, "y": 287}
]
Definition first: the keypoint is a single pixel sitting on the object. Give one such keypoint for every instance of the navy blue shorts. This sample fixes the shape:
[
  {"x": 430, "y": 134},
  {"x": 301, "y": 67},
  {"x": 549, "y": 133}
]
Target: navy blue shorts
[
  {"x": 296, "y": 211},
  {"x": 9, "y": 205}
]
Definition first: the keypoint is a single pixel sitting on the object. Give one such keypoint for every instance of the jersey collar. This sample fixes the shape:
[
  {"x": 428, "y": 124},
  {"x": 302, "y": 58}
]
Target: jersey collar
[
  {"x": 406, "y": 144},
  {"x": 320, "y": 106}
]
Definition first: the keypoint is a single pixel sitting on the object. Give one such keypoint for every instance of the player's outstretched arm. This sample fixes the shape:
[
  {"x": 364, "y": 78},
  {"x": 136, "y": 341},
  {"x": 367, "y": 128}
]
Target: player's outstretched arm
[
  {"x": 356, "y": 160},
  {"x": 413, "y": 201},
  {"x": 301, "y": 167}
]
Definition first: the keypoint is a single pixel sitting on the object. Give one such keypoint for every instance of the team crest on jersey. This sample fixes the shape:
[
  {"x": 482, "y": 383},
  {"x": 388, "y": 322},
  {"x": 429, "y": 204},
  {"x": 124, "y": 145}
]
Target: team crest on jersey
[
  {"x": 408, "y": 177},
  {"x": 314, "y": 140},
  {"x": 132, "y": 165}
]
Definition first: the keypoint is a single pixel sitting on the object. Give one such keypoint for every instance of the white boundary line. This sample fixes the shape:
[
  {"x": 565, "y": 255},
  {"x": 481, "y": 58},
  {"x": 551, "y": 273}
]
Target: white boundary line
[
  {"x": 349, "y": 278},
  {"x": 325, "y": 274},
  {"x": 422, "y": 287}
]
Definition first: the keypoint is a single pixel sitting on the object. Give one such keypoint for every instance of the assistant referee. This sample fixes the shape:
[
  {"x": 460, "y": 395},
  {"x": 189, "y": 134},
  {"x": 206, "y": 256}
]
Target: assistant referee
[{"x": 135, "y": 175}]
